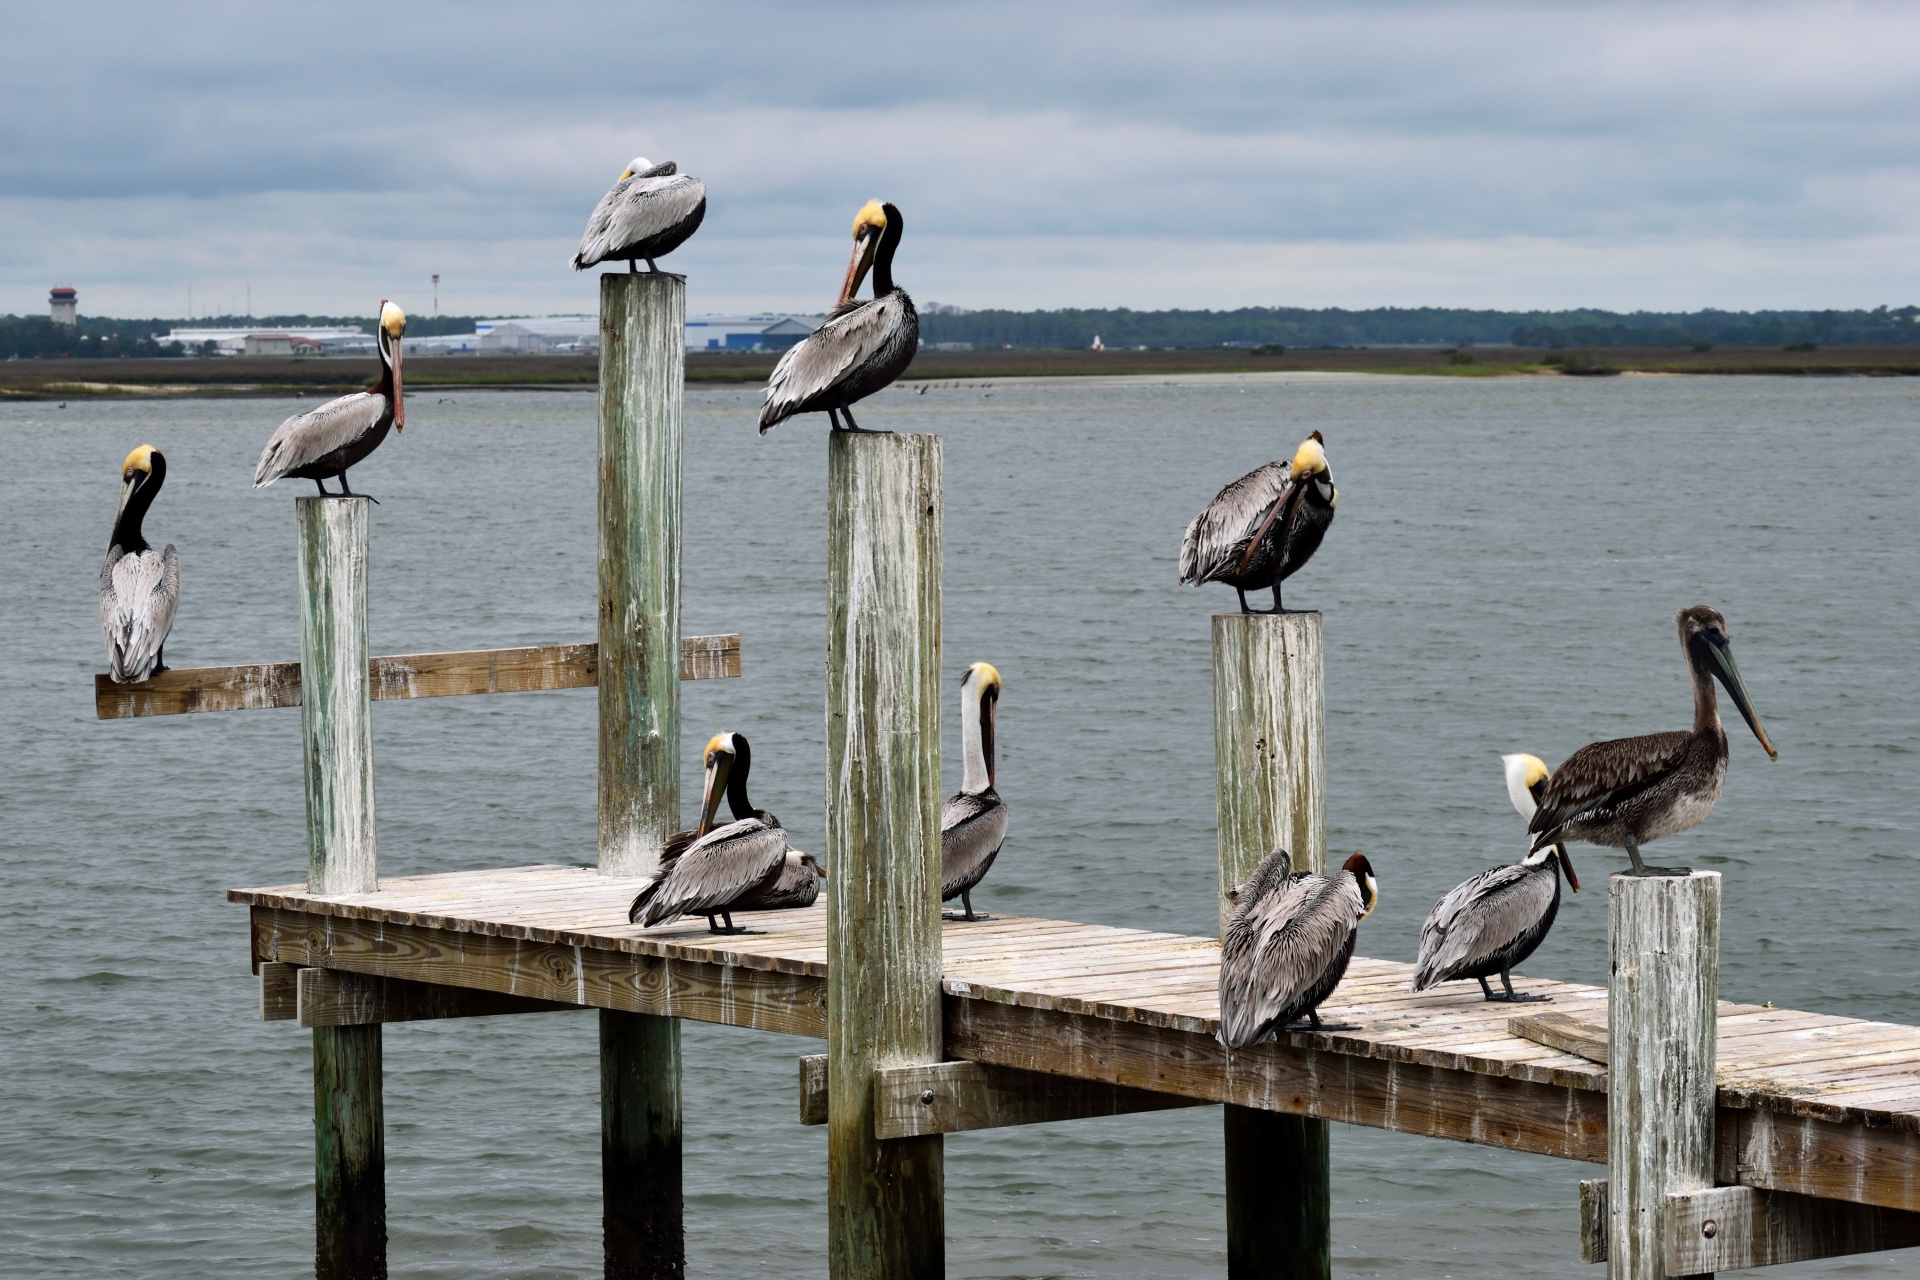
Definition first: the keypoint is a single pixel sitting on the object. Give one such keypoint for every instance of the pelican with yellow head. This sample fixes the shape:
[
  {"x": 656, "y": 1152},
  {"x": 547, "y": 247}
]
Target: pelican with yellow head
[
  {"x": 1261, "y": 528},
  {"x": 324, "y": 442},
  {"x": 651, "y": 210},
  {"x": 974, "y": 822},
  {"x": 139, "y": 587},
  {"x": 722, "y": 868}
]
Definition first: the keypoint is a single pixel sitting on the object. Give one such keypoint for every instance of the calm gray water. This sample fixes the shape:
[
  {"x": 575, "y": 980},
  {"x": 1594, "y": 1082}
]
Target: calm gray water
[{"x": 1502, "y": 576}]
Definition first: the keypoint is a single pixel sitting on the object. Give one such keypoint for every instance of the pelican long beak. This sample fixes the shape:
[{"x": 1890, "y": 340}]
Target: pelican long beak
[
  {"x": 719, "y": 765},
  {"x": 1560, "y": 852},
  {"x": 126, "y": 495},
  {"x": 988, "y": 716},
  {"x": 864, "y": 246},
  {"x": 399, "y": 405},
  {"x": 1728, "y": 671}
]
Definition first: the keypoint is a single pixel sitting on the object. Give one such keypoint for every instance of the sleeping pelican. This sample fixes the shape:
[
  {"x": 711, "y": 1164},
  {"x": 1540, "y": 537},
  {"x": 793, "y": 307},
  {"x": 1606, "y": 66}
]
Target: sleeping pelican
[
  {"x": 862, "y": 347},
  {"x": 1263, "y": 526},
  {"x": 1495, "y": 920},
  {"x": 337, "y": 435},
  {"x": 651, "y": 210},
  {"x": 974, "y": 822},
  {"x": 139, "y": 587},
  {"x": 1286, "y": 945},
  {"x": 798, "y": 885},
  {"x": 722, "y": 865},
  {"x": 1629, "y": 790}
]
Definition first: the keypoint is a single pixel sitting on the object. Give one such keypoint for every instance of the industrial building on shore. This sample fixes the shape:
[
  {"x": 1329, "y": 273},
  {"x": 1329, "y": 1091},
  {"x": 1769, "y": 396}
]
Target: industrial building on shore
[{"x": 522, "y": 335}]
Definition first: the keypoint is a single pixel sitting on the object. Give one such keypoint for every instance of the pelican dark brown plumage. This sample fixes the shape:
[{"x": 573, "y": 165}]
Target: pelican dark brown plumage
[
  {"x": 721, "y": 866},
  {"x": 326, "y": 441},
  {"x": 139, "y": 587},
  {"x": 651, "y": 210},
  {"x": 862, "y": 347},
  {"x": 1625, "y": 792},
  {"x": 1287, "y": 944},
  {"x": 1497, "y": 919},
  {"x": 1261, "y": 528},
  {"x": 797, "y": 885},
  {"x": 974, "y": 822}
]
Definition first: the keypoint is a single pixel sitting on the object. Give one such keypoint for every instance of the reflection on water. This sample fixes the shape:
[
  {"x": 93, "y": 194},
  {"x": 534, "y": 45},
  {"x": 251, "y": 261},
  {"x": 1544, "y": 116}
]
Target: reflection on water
[{"x": 1502, "y": 577}]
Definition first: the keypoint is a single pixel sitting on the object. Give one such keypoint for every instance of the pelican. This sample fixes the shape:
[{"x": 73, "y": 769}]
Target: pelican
[
  {"x": 1286, "y": 945},
  {"x": 139, "y": 587},
  {"x": 337, "y": 435},
  {"x": 651, "y": 210},
  {"x": 862, "y": 347},
  {"x": 1495, "y": 920},
  {"x": 1263, "y": 526},
  {"x": 973, "y": 822},
  {"x": 1621, "y": 793},
  {"x": 798, "y": 885},
  {"x": 722, "y": 865}
]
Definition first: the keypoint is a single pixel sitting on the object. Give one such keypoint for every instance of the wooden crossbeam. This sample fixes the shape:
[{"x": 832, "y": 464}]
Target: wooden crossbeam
[
  {"x": 955, "y": 1097},
  {"x": 1564, "y": 1032},
  {"x": 259, "y": 685},
  {"x": 279, "y": 991},
  {"x": 1736, "y": 1228},
  {"x": 338, "y": 998}
]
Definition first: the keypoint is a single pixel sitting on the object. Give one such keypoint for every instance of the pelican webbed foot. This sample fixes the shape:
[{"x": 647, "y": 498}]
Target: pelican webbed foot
[
  {"x": 1642, "y": 869},
  {"x": 1509, "y": 995},
  {"x": 730, "y": 930},
  {"x": 1315, "y": 1025}
]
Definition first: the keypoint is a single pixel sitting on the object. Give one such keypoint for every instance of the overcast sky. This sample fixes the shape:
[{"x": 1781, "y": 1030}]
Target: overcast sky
[{"x": 1665, "y": 156}]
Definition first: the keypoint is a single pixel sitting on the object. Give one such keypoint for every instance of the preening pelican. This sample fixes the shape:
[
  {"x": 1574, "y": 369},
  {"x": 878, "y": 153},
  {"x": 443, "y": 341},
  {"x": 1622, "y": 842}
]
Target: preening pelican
[
  {"x": 862, "y": 347},
  {"x": 973, "y": 822},
  {"x": 723, "y": 864},
  {"x": 328, "y": 440},
  {"x": 798, "y": 885},
  {"x": 1622, "y": 793},
  {"x": 651, "y": 210},
  {"x": 1287, "y": 944},
  {"x": 1263, "y": 526},
  {"x": 1495, "y": 920},
  {"x": 139, "y": 587}
]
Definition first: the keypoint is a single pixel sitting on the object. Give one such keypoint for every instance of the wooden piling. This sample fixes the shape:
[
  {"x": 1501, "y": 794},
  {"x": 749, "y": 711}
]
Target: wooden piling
[
  {"x": 1662, "y": 1018},
  {"x": 336, "y": 720},
  {"x": 1269, "y": 748},
  {"x": 885, "y": 1218},
  {"x": 642, "y": 356}
]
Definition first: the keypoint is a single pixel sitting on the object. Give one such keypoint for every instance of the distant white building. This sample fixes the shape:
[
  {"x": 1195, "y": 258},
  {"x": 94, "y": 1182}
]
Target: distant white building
[
  {"x": 64, "y": 304},
  {"x": 746, "y": 333},
  {"x": 539, "y": 335},
  {"x": 234, "y": 342}
]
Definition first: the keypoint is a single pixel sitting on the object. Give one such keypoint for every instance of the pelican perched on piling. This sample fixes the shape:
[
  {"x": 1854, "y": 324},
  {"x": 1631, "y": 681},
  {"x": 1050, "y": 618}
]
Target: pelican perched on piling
[
  {"x": 337, "y": 435},
  {"x": 722, "y": 865},
  {"x": 1263, "y": 526},
  {"x": 1630, "y": 790},
  {"x": 1287, "y": 944},
  {"x": 862, "y": 347},
  {"x": 974, "y": 822},
  {"x": 139, "y": 587},
  {"x": 651, "y": 210},
  {"x": 1495, "y": 920}
]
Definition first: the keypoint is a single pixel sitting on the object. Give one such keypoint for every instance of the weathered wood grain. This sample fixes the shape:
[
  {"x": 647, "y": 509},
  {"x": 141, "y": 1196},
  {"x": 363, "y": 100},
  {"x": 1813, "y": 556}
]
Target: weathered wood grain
[
  {"x": 1735, "y": 1228},
  {"x": 335, "y": 722},
  {"x": 885, "y": 1218},
  {"x": 1841, "y": 1161},
  {"x": 954, "y": 1097},
  {"x": 1564, "y": 1032},
  {"x": 1662, "y": 1008},
  {"x": 350, "y": 1157},
  {"x": 813, "y": 1088},
  {"x": 279, "y": 992},
  {"x": 342, "y": 998},
  {"x": 1593, "y": 1220},
  {"x": 642, "y": 1201}
]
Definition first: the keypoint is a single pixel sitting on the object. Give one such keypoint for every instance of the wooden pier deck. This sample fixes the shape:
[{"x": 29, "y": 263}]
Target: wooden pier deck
[{"x": 1809, "y": 1103}]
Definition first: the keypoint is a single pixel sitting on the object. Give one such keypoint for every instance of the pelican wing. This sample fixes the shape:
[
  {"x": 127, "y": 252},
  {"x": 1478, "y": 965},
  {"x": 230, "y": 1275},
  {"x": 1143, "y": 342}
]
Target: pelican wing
[
  {"x": 138, "y": 593},
  {"x": 1216, "y": 541},
  {"x": 972, "y": 828},
  {"x": 818, "y": 363},
  {"x": 308, "y": 437},
  {"x": 1278, "y": 945},
  {"x": 1480, "y": 918},
  {"x": 1602, "y": 775},
  {"x": 715, "y": 871},
  {"x": 636, "y": 210},
  {"x": 796, "y": 887}
]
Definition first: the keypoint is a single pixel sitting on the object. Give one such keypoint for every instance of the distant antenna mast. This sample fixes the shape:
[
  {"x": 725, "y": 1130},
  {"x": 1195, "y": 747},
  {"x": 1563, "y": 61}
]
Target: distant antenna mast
[{"x": 436, "y": 294}]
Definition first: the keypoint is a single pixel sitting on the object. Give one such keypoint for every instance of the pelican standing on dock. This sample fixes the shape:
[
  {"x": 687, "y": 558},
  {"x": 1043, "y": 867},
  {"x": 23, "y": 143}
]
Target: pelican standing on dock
[
  {"x": 725, "y": 864},
  {"x": 337, "y": 435},
  {"x": 139, "y": 587},
  {"x": 651, "y": 210},
  {"x": 1263, "y": 526},
  {"x": 862, "y": 347},
  {"x": 1625, "y": 792},
  {"x": 1497, "y": 919},
  {"x": 798, "y": 885},
  {"x": 1287, "y": 944},
  {"x": 974, "y": 822}
]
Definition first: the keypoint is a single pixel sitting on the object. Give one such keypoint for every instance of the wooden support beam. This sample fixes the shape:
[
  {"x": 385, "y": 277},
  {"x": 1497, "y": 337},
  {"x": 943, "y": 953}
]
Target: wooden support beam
[
  {"x": 1269, "y": 752},
  {"x": 1736, "y": 1228},
  {"x": 813, "y": 1088},
  {"x": 1564, "y": 1032},
  {"x": 342, "y": 998},
  {"x": 350, "y": 1155},
  {"x": 1816, "y": 1157},
  {"x": 642, "y": 1204},
  {"x": 885, "y": 1218},
  {"x": 279, "y": 992},
  {"x": 956, "y": 1097},
  {"x": 1593, "y": 1220},
  {"x": 393, "y": 677},
  {"x": 1664, "y": 939}
]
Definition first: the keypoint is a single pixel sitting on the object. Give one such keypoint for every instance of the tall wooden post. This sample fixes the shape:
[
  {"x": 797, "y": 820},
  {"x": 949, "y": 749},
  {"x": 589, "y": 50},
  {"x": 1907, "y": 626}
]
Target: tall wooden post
[
  {"x": 1662, "y": 1017},
  {"x": 885, "y": 1218},
  {"x": 643, "y": 322},
  {"x": 1269, "y": 751},
  {"x": 336, "y": 721}
]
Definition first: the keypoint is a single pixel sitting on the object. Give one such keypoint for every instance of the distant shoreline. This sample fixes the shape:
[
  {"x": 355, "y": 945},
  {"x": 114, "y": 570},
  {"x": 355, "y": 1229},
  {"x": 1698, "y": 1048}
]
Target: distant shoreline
[{"x": 328, "y": 376}]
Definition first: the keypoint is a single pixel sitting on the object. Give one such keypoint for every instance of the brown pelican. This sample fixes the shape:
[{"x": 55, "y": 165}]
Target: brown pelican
[
  {"x": 139, "y": 587},
  {"x": 651, "y": 211},
  {"x": 973, "y": 822},
  {"x": 1630, "y": 790},
  {"x": 1495, "y": 920},
  {"x": 798, "y": 885},
  {"x": 862, "y": 347},
  {"x": 723, "y": 864},
  {"x": 1287, "y": 944},
  {"x": 328, "y": 440},
  {"x": 1263, "y": 526}
]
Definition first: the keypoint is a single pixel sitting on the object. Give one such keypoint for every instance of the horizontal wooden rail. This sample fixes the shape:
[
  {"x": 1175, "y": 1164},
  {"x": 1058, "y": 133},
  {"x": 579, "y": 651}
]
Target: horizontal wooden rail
[
  {"x": 1563, "y": 1032},
  {"x": 1736, "y": 1228},
  {"x": 955, "y": 1097},
  {"x": 409, "y": 675},
  {"x": 337, "y": 998}
]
